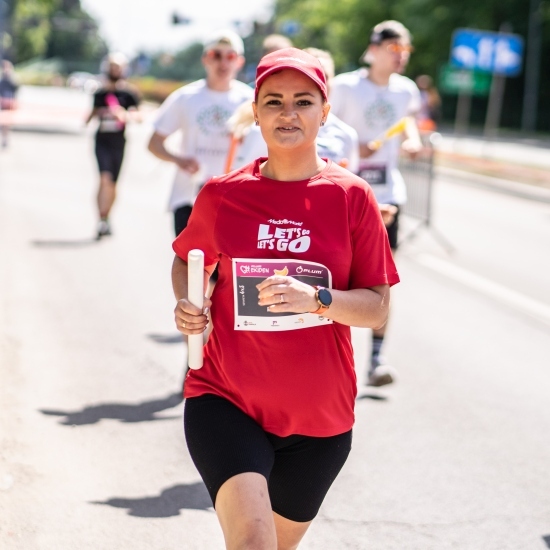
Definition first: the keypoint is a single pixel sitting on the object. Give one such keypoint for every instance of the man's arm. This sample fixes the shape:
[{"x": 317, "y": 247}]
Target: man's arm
[
  {"x": 412, "y": 144},
  {"x": 158, "y": 148},
  {"x": 94, "y": 112}
]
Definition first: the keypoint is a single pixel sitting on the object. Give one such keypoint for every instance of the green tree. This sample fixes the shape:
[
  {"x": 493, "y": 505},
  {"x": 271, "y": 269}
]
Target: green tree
[
  {"x": 54, "y": 28},
  {"x": 184, "y": 65},
  {"x": 343, "y": 28},
  {"x": 75, "y": 36},
  {"x": 30, "y": 28}
]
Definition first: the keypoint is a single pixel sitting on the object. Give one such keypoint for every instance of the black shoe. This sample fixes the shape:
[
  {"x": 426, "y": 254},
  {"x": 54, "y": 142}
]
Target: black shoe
[{"x": 381, "y": 376}]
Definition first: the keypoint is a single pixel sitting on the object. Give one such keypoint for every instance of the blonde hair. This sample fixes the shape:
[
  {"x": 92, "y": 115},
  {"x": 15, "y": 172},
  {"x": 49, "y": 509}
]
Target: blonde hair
[
  {"x": 241, "y": 121},
  {"x": 274, "y": 42},
  {"x": 325, "y": 59}
]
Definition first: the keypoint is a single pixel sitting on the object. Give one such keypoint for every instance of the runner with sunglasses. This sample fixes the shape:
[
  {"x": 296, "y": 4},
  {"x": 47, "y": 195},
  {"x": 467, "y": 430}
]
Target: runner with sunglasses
[
  {"x": 303, "y": 256},
  {"x": 201, "y": 110},
  {"x": 371, "y": 101}
]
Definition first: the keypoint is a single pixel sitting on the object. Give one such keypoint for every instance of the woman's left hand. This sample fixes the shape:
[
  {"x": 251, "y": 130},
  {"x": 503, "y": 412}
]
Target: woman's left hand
[{"x": 286, "y": 295}]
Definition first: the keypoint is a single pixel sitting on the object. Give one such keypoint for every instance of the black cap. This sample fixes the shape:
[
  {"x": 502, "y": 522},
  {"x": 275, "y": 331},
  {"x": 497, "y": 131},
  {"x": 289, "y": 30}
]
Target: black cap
[
  {"x": 387, "y": 30},
  {"x": 385, "y": 34}
]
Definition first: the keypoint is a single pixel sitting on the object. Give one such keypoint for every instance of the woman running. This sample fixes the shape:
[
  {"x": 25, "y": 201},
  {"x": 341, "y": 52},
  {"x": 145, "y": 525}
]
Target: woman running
[{"x": 303, "y": 256}]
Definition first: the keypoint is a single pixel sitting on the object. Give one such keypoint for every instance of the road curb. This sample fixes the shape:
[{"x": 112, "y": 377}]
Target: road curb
[{"x": 518, "y": 189}]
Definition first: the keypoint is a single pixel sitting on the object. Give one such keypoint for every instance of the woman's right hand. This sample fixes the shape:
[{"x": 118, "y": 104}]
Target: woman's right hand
[{"x": 189, "y": 318}]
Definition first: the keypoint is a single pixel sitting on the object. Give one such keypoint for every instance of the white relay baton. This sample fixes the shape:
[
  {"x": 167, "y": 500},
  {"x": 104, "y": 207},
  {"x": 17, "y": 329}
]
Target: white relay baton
[{"x": 195, "y": 294}]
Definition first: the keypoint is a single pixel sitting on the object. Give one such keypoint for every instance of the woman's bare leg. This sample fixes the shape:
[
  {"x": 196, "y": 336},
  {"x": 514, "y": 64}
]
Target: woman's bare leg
[
  {"x": 106, "y": 194},
  {"x": 289, "y": 533},
  {"x": 244, "y": 512}
]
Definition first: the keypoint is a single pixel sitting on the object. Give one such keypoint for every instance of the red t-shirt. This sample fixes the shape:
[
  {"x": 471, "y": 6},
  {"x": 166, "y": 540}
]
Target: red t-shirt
[{"x": 293, "y": 381}]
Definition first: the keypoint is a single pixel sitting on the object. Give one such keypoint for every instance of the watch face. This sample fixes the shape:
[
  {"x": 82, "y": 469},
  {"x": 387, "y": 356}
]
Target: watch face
[{"x": 325, "y": 297}]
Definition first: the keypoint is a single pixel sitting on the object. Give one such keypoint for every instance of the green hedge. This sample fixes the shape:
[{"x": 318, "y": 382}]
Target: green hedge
[{"x": 154, "y": 89}]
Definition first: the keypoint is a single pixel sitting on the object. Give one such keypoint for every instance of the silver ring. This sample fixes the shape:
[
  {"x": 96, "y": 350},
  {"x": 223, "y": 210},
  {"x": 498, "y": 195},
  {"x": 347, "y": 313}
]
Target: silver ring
[
  {"x": 183, "y": 324},
  {"x": 282, "y": 299}
]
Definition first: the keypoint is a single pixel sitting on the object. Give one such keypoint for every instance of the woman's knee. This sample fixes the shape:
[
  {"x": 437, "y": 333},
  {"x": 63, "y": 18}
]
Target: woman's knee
[
  {"x": 244, "y": 512},
  {"x": 106, "y": 180}
]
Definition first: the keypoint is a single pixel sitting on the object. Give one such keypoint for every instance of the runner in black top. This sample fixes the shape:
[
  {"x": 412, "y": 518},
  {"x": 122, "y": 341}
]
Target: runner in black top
[{"x": 111, "y": 105}]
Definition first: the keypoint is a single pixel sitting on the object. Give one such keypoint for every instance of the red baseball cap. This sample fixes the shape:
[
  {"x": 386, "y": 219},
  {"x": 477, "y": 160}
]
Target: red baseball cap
[{"x": 295, "y": 59}]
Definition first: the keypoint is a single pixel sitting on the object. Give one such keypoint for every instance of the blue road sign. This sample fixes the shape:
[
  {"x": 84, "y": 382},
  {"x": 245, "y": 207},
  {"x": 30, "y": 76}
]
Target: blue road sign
[
  {"x": 290, "y": 27},
  {"x": 491, "y": 52}
]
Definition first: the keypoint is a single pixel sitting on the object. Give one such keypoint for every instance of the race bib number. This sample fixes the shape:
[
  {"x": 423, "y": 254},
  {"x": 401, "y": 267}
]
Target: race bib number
[
  {"x": 373, "y": 174},
  {"x": 110, "y": 125},
  {"x": 247, "y": 273}
]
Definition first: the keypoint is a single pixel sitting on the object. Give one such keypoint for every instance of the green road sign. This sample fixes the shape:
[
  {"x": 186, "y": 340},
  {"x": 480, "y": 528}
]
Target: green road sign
[{"x": 457, "y": 81}]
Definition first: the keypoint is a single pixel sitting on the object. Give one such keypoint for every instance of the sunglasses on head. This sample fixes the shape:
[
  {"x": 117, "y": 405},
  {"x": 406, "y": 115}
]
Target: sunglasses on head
[
  {"x": 218, "y": 55},
  {"x": 399, "y": 48}
]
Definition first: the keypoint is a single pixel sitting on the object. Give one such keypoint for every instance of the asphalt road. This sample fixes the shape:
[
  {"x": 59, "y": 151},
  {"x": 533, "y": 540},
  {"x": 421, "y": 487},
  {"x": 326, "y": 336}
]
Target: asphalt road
[{"x": 455, "y": 455}]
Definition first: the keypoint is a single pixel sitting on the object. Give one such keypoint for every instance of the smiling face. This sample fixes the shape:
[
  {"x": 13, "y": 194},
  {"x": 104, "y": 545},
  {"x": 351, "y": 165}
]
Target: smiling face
[{"x": 289, "y": 109}]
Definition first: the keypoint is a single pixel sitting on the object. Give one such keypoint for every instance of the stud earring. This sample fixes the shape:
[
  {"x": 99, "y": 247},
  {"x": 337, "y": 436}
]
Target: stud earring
[
  {"x": 256, "y": 122},
  {"x": 322, "y": 122}
]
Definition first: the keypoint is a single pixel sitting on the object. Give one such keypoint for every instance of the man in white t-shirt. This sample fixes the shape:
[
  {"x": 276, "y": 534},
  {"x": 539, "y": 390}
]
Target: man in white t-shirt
[
  {"x": 371, "y": 101},
  {"x": 201, "y": 110}
]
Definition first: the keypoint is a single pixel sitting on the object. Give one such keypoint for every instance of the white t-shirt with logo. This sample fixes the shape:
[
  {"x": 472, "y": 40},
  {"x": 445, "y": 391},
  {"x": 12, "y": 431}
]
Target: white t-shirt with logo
[
  {"x": 371, "y": 110},
  {"x": 201, "y": 114}
]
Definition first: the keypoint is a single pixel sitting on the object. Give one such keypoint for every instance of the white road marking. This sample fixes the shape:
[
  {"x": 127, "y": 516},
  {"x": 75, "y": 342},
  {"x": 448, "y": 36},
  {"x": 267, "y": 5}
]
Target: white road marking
[{"x": 495, "y": 290}]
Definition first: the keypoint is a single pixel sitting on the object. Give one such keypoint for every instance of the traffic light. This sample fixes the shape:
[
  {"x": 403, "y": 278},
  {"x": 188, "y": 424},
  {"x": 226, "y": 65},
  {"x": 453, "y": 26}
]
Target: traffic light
[{"x": 178, "y": 19}]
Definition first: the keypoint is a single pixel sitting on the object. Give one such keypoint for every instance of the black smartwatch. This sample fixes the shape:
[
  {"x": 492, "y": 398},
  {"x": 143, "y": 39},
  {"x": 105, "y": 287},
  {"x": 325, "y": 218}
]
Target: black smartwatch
[{"x": 324, "y": 299}]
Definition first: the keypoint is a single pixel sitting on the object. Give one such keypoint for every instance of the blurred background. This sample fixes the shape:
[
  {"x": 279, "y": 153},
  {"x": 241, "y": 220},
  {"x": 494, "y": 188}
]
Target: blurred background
[{"x": 57, "y": 42}]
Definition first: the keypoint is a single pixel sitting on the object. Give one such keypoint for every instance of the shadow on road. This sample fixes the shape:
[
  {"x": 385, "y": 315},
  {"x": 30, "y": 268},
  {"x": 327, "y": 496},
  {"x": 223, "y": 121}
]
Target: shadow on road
[
  {"x": 140, "y": 412},
  {"x": 374, "y": 395},
  {"x": 193, "y": 496},
  {"x": 546, "y": 539},
  {"x": 47, "y": 129},
  {"x": 76, "y": 243},
  {"x": 176, "y": 338}
]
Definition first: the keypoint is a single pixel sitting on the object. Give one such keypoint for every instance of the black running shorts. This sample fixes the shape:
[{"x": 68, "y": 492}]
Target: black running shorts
[
  {"x": 109, "y": 157},
  {"x": 181, "y": 219},
  {"x": 393, "y": 230},
  {"x": 224, "y": 442}
]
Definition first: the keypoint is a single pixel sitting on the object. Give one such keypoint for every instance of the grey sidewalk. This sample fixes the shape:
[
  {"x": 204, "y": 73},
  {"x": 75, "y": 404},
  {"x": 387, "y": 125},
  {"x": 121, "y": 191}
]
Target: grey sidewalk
[
  {"x": 524, "y": 151},
  {"x": 510, "y": 159}
]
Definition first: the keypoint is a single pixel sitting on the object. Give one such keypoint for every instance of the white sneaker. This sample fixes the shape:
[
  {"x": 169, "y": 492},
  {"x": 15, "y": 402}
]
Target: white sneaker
[{"x": 103, "y": 229}]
